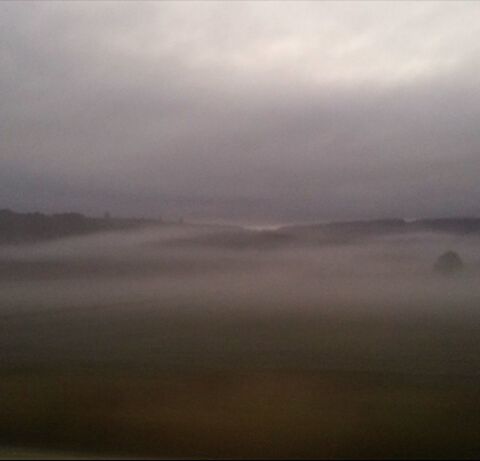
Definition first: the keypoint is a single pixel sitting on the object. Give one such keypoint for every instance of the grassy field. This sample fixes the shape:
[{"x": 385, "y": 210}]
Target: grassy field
[
  {"x": 243, "y": 414},
  {"x": 160, "y": 383},
  {"x": 343, "y": 352}
]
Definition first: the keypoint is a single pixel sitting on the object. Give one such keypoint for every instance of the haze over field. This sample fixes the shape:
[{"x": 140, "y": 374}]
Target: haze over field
[
  {"x": 174, "y": 339},
  {"x": 215, "y": 273}
]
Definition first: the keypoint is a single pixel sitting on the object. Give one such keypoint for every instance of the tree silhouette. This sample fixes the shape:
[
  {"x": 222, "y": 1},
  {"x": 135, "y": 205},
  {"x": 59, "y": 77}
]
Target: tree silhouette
[{"x": 448, "y": 263}]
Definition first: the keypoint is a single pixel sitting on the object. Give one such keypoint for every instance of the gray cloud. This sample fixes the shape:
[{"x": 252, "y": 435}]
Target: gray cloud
[{"x": 259, "y": 111}]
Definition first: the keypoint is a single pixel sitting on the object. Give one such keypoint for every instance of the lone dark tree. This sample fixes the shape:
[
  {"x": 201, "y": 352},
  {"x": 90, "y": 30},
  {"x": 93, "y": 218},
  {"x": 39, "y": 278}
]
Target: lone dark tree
[{"x": 448, "y": 263}]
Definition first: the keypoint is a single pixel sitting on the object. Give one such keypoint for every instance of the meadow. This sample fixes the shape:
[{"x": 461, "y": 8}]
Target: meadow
[{"x": 174, "y": 342}]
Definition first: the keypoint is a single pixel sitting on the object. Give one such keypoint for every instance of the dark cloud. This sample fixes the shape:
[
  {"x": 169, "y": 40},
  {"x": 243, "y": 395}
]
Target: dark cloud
[{"x": 259, "y": 111}]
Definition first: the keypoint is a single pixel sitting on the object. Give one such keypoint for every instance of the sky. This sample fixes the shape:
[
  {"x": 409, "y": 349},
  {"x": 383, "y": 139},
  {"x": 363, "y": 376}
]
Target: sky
[{"x": 259, "y": 112}]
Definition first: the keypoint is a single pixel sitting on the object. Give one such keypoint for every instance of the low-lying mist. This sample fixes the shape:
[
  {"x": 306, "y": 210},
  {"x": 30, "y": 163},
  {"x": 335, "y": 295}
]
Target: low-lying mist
[
  {"x": 263, "y": 292},
  {"x": 230, "y": 267},
  {"x": 188, "y": 341}
]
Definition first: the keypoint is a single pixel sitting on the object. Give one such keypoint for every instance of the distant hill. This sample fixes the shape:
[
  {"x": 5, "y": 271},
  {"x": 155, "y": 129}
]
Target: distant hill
[
  {"x": 337, "y": 232},
  {"x": 32, "y": 227}
]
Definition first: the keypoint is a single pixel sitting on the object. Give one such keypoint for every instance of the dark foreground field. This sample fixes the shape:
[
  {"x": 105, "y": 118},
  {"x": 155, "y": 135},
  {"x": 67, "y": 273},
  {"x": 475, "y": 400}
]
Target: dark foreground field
[
  {"x": 243, "y": 414},
  {"x": 207, "y": 385}
]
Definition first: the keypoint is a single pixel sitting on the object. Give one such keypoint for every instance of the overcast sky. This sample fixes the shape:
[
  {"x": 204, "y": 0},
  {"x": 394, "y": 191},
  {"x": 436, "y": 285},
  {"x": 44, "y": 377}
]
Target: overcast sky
[{"x": 263, "y": 112}]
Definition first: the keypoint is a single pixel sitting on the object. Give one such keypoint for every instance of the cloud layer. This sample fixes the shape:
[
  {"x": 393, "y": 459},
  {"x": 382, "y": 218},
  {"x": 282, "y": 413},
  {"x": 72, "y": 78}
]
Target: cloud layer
[{"x": 241, "y": 111}]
